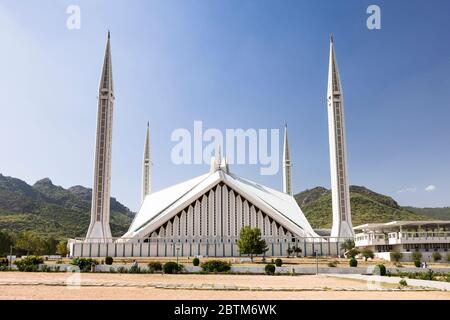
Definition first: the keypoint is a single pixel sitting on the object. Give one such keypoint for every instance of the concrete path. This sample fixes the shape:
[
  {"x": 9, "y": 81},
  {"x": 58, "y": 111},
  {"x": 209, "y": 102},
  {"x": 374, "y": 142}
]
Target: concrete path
[{"x": 373, "y": 279}]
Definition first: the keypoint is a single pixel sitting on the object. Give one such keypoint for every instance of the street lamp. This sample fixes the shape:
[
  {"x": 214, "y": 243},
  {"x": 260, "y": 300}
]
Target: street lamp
[
  {"x": 10, "y": 256},
  {"x": 317, "y": 262}
]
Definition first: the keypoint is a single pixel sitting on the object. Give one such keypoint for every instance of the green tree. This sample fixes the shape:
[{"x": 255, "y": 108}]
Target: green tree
[
  {"x": 416, "y": 256},
  {"x": 61, "y": 248},
  {"x": 367, "y": 253},
  {"x": 349, "y": 248},
  {"x": 30, "y": 243},
  {"x": 348, "y": 244},
  {"x": 289, "y": 251},
  {"x": 6, "y": 241},
  {"x": 250, "y": 242},
  {"x": 50, "y": 245},
  {"x": 396, "y": 256},
  {"x": 297, "y": 251},
  {"x": 436, "y": 256}
]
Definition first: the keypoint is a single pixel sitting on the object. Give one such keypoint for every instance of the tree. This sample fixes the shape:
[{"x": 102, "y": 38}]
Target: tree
[
  {"x": 416, "y": 256},
  {"x": 348, "y": 244},
  {"x": 289, "y": 251},
  {"x": 30, "y": 243},
  {"x": 61, "y": 248},
  {"x": 436, "y": 256},
  {"x": 396, "y": 256},
  {"x": 367, "y": 253},
  {"x": 6, "y": 241},
  {"x": 297, "y": 251},
  {"x": 250, "y": 242},
  {"x": 349, "y": 248}
]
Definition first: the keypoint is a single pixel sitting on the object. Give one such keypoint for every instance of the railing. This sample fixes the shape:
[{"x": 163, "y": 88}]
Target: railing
[{"x": 167, "y": 247}]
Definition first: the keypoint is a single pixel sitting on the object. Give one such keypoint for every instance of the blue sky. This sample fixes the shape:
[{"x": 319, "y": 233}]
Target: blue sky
[{"x": 231, "y": 64}]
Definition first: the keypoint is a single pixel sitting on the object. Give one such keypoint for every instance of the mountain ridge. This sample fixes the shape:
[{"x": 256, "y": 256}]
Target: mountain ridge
[{"x": 52, "y": 210}]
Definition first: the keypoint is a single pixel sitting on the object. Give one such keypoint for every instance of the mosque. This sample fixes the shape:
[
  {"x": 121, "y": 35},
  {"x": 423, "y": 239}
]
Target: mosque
[{"x": 204, "y": 215}]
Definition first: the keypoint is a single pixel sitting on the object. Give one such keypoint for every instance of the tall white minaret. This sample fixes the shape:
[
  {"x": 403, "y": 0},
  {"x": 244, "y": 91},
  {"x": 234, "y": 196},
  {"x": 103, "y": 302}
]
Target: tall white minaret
[
  {"x": 342, "y": 218},
  {"x": 99, "y": 227},
  {"x": 146, "y": 167},
  {"x": 287, "y": 165}
]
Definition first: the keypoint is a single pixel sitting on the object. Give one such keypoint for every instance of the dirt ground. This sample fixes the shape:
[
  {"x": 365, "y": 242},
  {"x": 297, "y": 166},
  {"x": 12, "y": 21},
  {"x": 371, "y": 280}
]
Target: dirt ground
[{"x": 53, "y": 286}]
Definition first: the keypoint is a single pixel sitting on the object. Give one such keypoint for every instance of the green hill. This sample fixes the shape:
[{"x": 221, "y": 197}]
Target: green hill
[
  {"x": 51, "y": 210},
  {"x": 433, "y": 213},
  {"x": 367, "y": 207}
]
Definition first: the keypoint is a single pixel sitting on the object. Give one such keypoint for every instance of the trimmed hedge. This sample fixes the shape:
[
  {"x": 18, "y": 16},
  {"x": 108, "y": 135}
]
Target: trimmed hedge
[
  {"x": 216, "y": 266},
  {"x": 172, "y": 267},
  {"x": 278, "y": 262},
  {"x": 29, "y": 263},
  {"x": 85, "y": 264},
  {"x": 195, "y": 262},
  {"x": 381, "y": 269},
  {"x": 154, "y": 266},
  {"x": 417, "y": 263},
  {"x": 270, "y": 269},
  {"x": 353, "y": 263},
  {"x": 109, "y": 260}
]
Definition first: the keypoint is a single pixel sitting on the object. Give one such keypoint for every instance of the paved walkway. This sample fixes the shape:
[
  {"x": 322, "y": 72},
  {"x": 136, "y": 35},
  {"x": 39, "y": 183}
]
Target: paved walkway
[
  {"x": 373, "y": 279},
  {"x": 213, "y": 286}
]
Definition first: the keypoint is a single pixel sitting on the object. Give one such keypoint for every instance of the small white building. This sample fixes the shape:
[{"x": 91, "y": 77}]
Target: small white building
[{"x": 405, "y": 237}]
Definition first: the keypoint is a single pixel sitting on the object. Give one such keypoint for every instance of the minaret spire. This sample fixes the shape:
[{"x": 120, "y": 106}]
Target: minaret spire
[
  {"x": 287, "y": 165},
  {"x": 99, "y": 227},
  {"x": 342, "y": 219},
  {"x": 146, "y": 166}
]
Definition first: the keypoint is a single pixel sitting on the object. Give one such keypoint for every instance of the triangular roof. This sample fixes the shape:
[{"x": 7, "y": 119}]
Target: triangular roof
[{"x": 159, "y": 207}]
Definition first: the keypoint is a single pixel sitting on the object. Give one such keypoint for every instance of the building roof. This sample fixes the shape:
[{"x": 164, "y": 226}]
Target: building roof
[{"x": 160, "y": 206}]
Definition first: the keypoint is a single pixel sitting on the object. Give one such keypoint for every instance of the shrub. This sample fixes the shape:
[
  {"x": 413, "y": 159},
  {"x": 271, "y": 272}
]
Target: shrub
[
  {"x": 269, "y": 269},
  {"x": 109, "y": 260},
  {"x": 417, "y": 263},
  {"x": 353, "y": 262},
  {"x": 216, "y": 266},
  {"x": 395, "y": 256},
  {"x": 4, "y": 262},
  {"x": 436, "y": 256},
  {"x": 85, "y": 264},
  {"x": 403, "y": 283},
  {"x": 380, "y": 269},
  {"x": 448, "y": 257},
  {"x": 154, "y": 266},
  {"x": 46, "y": 268},
  {"x": 416, "y": 256},
  {"x": 172, "y": 267},
  {"x": 196, "y": 262},
  {"x": 122, "y": 270},
  {"x": 278, "y": 262},
  {"x": 429, "y": 275},
  {"x": 29, "y": 263},
  {"x": 332, "y": 264},
  {"x": 134, "y": 269}
]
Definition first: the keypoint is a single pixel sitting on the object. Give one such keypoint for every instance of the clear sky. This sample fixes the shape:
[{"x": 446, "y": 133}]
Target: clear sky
[{"x": 232, "y": 64}]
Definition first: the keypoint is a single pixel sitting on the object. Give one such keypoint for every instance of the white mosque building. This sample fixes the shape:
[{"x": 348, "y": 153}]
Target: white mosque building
[{"x": 204, "y": 215}]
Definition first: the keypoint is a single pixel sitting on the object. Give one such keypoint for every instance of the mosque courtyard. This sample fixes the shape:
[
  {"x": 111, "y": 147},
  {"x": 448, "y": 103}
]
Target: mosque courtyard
[{"x": 101, "y": 286}]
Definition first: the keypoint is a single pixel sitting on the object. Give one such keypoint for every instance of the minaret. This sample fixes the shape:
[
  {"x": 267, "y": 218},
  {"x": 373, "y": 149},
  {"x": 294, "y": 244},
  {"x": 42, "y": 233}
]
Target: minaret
[
  {"x": 99, "y": 226},
  {"x": 342, "y": 219},
  {"x": 146, "y": 166},
  {"x": 287, "y": 165}
]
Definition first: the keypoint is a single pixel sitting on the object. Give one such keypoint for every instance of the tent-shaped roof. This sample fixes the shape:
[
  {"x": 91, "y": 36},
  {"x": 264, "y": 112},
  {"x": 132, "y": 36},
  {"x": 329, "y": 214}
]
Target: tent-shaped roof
[{"x": 160, "y": 206}]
